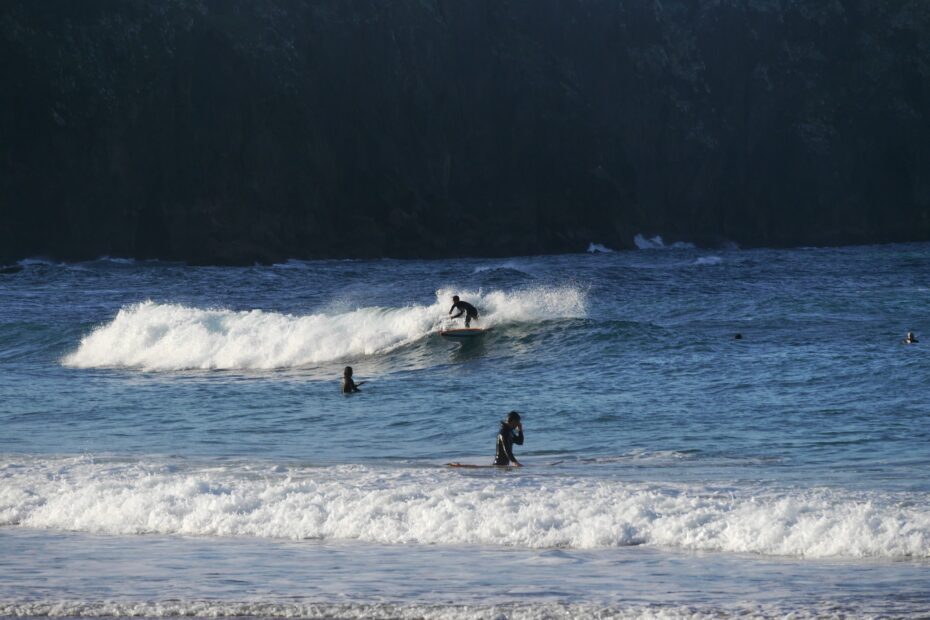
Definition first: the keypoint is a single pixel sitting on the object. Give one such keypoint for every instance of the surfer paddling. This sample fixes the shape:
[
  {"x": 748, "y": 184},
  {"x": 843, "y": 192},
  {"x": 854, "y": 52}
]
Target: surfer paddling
[
  {"x": 910, "y": 338},
  {"x": 465, "y": 308},
  {"x": 348, "y": 384},
  {"x": 511, "y": 433}
]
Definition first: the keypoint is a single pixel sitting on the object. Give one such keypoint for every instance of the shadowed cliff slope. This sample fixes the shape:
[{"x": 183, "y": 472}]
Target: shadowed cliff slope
[{"x": 244, "y": 130}]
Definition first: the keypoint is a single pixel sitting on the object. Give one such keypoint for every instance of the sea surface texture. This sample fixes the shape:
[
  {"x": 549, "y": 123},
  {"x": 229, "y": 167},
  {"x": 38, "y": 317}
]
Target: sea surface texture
[{"x": 173, "y": 440}]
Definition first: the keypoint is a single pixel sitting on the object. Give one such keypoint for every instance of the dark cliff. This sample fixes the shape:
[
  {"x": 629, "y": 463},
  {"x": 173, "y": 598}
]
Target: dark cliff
[{"x": 244, "y": 130}]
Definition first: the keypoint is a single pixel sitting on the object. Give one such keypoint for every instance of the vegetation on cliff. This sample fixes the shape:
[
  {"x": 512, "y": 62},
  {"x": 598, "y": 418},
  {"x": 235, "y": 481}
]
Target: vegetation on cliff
[{"x": 253, "y": 130}]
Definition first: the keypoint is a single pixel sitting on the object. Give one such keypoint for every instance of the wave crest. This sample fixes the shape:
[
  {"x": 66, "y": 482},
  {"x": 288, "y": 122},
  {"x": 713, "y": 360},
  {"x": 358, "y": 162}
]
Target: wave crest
[{"x": 162, "y": 337}]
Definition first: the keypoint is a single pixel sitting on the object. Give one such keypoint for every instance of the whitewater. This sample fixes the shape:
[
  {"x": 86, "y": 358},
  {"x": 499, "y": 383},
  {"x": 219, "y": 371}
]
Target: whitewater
[
  {"x": 438, "y": 506},
  {"x": 174, "y": 442},
  {"x": 155, "y": 336}
]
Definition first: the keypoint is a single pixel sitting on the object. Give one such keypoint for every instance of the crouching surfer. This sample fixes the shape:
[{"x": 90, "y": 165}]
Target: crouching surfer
[
  {"x": 349, "y": 385},
  {"x": 465, "y": 308},
  {"x": 511, "y": 433}
]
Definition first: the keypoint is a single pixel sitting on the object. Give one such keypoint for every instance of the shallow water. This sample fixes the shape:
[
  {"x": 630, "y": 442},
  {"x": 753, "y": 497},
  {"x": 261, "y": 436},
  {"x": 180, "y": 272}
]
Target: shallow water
[{"x": 192, "y": 417}]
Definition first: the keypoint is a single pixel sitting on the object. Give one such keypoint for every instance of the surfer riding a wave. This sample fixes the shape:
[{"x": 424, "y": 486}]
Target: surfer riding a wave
[{"x": 465, "y": 308}]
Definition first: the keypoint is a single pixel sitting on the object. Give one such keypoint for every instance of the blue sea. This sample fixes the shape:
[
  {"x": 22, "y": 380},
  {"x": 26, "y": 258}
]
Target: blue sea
[{"x": 174, "y": 443}]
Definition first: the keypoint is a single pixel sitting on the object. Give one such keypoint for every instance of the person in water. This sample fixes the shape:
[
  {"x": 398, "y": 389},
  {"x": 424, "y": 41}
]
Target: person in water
[
  {"x": 511, "y": 433},
  {"x": 911, "y": 338},
  {"x": 348, "y": 384},
  {"x": 465, "y": 308}
]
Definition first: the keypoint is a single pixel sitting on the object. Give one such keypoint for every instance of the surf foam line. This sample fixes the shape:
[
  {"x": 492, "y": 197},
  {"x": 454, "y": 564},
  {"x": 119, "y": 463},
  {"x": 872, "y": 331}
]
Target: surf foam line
[
  {"x": 538, "y": 610},
  {"x": 445, "y": 507},
  {"x": 162, "y": 337}
]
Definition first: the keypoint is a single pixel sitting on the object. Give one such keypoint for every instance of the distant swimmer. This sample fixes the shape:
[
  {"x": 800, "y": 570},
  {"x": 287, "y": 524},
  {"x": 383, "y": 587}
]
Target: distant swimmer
[
  {"x": 737, "y": 336},
  {"x": 911, "y": 338},
  {"x": 511, "y": 433},
  {"x": 348, "y": 384},
  {"x": 465, "y": 308}
]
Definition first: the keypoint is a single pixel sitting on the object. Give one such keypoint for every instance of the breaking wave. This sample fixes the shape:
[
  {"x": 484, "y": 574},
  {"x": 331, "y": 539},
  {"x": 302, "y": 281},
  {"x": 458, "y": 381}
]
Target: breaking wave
[
  {"x": 451, "y": 507},
  {"x": 159, "y": 336}
]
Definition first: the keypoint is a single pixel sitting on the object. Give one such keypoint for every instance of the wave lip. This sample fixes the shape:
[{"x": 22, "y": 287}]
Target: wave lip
[
  {"x": 440, "y": 506},
  {"x": 165, "y": 337}
]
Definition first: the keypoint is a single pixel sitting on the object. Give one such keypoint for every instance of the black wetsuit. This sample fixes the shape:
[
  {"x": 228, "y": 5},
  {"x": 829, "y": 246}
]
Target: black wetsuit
[
  {"x": 505, "y": 440},
  {"x": 348, "y": 385},
  {"x": 465, "y": 308}
]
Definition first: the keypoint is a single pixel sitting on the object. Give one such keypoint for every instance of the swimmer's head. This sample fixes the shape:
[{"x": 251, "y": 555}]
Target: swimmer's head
[
  {"x": 513, "y": 417},
  {"x": 455, "y": 298},
  {"x": 347, "y": 372}
]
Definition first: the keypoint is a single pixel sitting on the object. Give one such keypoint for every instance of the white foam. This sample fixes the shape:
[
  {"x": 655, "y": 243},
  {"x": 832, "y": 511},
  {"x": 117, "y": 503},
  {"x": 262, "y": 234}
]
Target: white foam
[
  {"x": 154, "y": 336},
  {"x": 656, "y": 243},
  {"x": 537, "y": 610},
  {"x": 452, "y": 507},
  {"x": 708, "y": 260},
  {"x": 598, "y": 248}
]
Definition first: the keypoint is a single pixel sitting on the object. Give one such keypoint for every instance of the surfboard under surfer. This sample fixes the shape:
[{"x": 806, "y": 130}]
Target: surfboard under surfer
[
  {"x": 511, "y": 433},
  {"x": 465, "y": 308}
]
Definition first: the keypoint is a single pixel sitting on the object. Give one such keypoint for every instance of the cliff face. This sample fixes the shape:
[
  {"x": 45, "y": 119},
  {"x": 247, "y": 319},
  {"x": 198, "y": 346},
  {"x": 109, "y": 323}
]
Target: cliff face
[{"x": 243, "y": 130}]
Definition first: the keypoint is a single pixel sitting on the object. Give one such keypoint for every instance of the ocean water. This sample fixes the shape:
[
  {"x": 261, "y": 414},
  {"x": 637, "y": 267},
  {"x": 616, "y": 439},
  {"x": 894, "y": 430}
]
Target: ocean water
[{"x": 173, "y": 441}]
